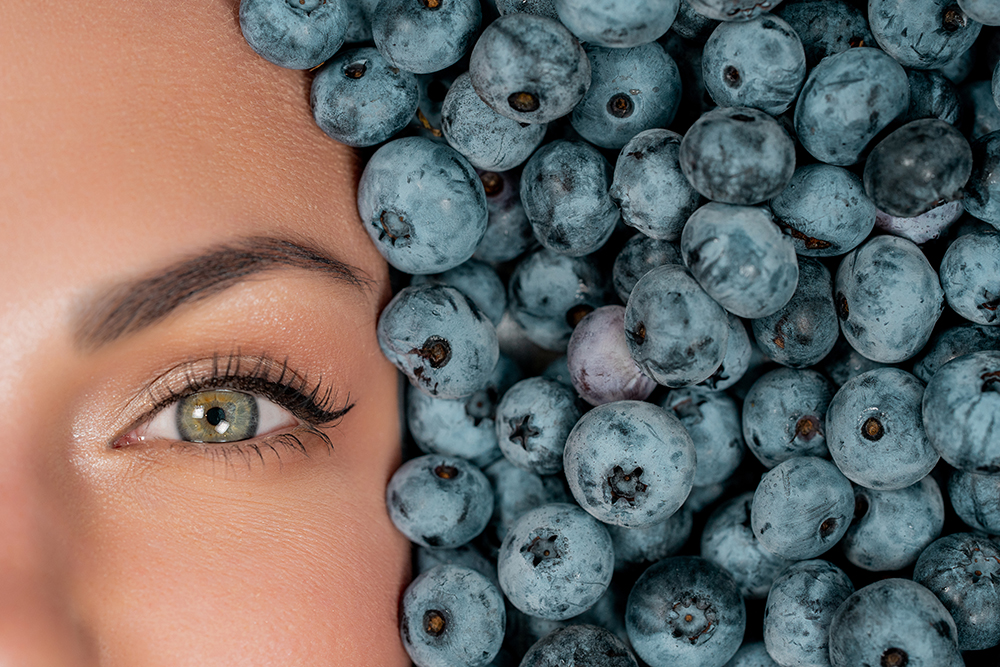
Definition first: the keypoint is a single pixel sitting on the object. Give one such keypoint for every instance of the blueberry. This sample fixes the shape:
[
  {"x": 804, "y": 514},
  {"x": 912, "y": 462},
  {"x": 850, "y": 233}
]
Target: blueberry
[
  {"x": 888, "y": 299},
  {"x": 733, "y": 10},
  {"x": 422, "y": 204},
  {"x": 487, "y": 139},
  {"x": 533, "y": 420},
  {"x": 629, "y": 463},
  {"x": 685, "y": 611},
  {"x": 891, "y": 528},
  {"x": 556, "y": 561},
  {"x": 676, "y": 332},
  {"x": 932, "y": 95},
  {"x": 924, "y": 227},
  {"x": 800, "y": 607},
  {"x": 579, "y": 646},
  {"x": 805, "y": 329},
  {"x": 702, "y": 497},
  {"x": 359, "y": 99},
  {"x": 758, "y": 63},
  {"x": 960, "y": 408},
  {"x": 784, "y": 415},
  {"x": 426, "y": 122},
  {"x": 601, "y": 368},
  {"x": 439, "y": 339},
  {"x": 478, "y": 281},
  {"x": 649, "y": 185},
  {"x": 925, "y": 34},
  {"x": 827, "y": 27},
  {"x": 529, "y": 68},
  {"x": 976, "y": 500},
  {"x": 982, "y": 192},
  {"x": 297, "y": 34},
  {"x": 729, "y": 542},
  {"x": 515, "y": 492},
  {"x": 984, "y": 11},
  {"x": 893, "y": 622},
  {"x": 689, "y": 24},
  {"x": 740, "y": 258},
  {"x": 439, "y": 501},
  {"x": 955, "y": 342},
  {"x": 466, "y": 556},
  {"x": 847, "y": 99},
  {"x": 640, "y": 254},
  {"x": 631, "y": 90},
  {"x": 737, "y": 155},
  {"x": 423, "y": 36},
  {"x": 802, "y": 507},
  {"x": 452, "y": 616},
  {"x": 564, "y": 189},
  {"x": 824, "y": 209},
  {"x": 615, "y": 24},
  {"x": 558, "y": 370},
  {"x": 753, "y": 654},
  {"x": 541, "y": 7},
  {"x": 508, "y": 231},
  {"x": 875, "y": 432},
  {"x": 920, "y": 166},
  {"x": 712, "y": 420},
  {"x": 970, "y": 276},
  {"x": 648, "y": 544},
  {"x": 845, "y": 363},
  {"x": 963, "y": 571},
  {"x": 980, "y": 115},
  {"x": 359, "y": 23}
]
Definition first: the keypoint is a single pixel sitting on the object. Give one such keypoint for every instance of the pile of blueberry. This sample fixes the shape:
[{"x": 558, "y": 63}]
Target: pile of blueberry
[{"x": 634, "y": 239}]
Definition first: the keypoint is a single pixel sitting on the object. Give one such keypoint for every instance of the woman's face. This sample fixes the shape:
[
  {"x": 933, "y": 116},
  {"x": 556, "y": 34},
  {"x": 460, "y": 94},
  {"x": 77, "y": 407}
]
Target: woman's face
[{"x": 171, "y": 216}]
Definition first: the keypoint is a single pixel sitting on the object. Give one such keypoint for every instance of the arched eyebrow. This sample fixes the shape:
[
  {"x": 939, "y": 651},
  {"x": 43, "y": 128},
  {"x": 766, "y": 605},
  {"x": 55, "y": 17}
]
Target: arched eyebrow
[{"x": 134, "y": 305}]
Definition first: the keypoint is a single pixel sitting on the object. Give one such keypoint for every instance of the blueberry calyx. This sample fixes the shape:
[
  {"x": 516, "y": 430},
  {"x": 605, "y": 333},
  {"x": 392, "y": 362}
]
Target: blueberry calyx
[
  {"x": 953, "y": 18},
  {"x": 810, "y": 242},
  {"x": 523, "y": 431},
  {"x": 991, "y": 381},
  {"x": 807, "y": 427},
  {"x": 393, "y": 226},
  {"x": 434, "y": 623},
  {"x": 577, "y": 313},
  {"x": 638, "y": 335},
  {"x": 860, "y": 508},
  {"x": 872, "y": 429},
  {"x": 828, "y": 527},
  {"x": 482, "y": 405},
  {"x": 731, "y": 76},
  {"x": 446, "y": 471},
  {"x": 492, "y": 183},
  {"x": 436, "y": 350},
  {"x": 894, "y": 657},
  {"x": 621, "y": 106},
  {"x": 692, "y": 619},
  {"x": 779, "y": 338},
  {"x": 356, "y": 70},
  {"x": 843, "y": 312},
  {"x": 523, "y": 102},
  {"x": 856, "y": 41},
  {"x": 432, "y": 4},
  {"x": 542, "y": 550},
  {"x": 625, "y": 485}
]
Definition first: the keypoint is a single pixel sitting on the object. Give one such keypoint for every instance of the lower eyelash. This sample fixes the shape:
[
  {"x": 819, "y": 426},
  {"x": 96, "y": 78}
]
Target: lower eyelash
[{"x": 257, "y": 449}]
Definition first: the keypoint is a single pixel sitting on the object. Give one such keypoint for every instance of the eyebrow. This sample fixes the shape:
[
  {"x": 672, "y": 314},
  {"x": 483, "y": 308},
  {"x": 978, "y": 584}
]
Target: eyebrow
[{"x": 134, "y": 305}]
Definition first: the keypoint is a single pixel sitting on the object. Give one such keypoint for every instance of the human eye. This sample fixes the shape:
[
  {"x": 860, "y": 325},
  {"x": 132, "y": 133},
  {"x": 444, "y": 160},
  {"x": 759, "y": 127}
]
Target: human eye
[{"x": 235, "y": 407}]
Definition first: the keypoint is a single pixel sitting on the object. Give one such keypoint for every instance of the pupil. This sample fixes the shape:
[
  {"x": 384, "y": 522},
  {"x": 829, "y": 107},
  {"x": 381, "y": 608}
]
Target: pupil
[{"x": 215, "y": 416}]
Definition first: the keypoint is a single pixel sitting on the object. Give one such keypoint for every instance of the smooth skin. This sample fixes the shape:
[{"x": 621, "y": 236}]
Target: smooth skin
[{"x": 133, "y": 137}]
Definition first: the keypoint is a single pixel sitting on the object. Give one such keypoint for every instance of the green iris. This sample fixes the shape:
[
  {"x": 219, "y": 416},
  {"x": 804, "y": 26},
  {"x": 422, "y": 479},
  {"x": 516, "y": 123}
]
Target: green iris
[{"x": 218, "y": 415}]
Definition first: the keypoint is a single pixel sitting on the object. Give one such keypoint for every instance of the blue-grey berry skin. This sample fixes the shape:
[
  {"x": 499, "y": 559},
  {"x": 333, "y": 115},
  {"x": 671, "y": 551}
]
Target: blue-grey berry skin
[
  {"x": 422, "y": 204},
  {"x": 476, "y": 280},
  {"x": 564, "y": 190},
  {"x": 426, "y": 122},
  {"x": 963, "y": 571},
  {"x": 827, "y": 27},
  {"x": 976, "y": 500},
  {"x": 891, "y": 528},
  {"x": 805, "y": 329},
  {"x": 733, "y": 10},
  {"x": 452, "y": 616},
  {"x": 516, "y": 491},
  {"x": 740, "y": 258},
  {"x": 359, "y": 23},
  {"x": 617, "y": 25},
  {"x": 970, "y": 276},
  {"x": 647, "y": 544},
  {"x": 464, "y": 556},
  {"x": 980, "y": 115},
  {"x": 893, "y": 621},
  {"x": 488, "y": 140},
  {"x": 629, "y": 463},
  {"x": 631, "y": 90},
  {"x": 728, "y": 541},
  {"x": 464, "y": 426},
  {"x": 689, "y": 24},
  {"x": 846, "y": 100},
  {"x": 932, "y": 95},
  {"x": 925, "y": 34},
  {"x": 439, "y": 501},
  {"x": 423, "y": 37},
  {"x": 984, "y": 11},
  {"x": 784, "y": 415},
  {"x": 958, "y": 69},
  {"x": 845, "y": 363},
  {"x": 579, "y": 646},
  {"x": 712, "y": 420},
  {"x": 541, "y": 7},
  {"x": 293, "y": 34},
  {"x": 802, "y": 507},
  {"x": 824, "y": 209},
  {"x": 703, "y": 496},
  {"x": 961, "y": 406},
  {"x": 529, "y": 68},
  {"x": 758, "y": 63},
  {"x": 639, "y": 255},
  {"x": 601, "y": 368},
  {"x": 918, "y": 167},
  {"x": 753, "y": 654},
  {"x": 875, "y": 433},
  {"x": 888, "y": 299},
  {"x": 737, "y": 155},
  {"x": 924, "y": 227},
  {"x": 439, "y": 339},
  {"x": 799, "y": 610},
  {"x": 548, "y": 293},
  {"x": 735, "y": 364},
  {"x": 685, "y": 611},
  {"x": 556, "y": 561},
  {"x": 558, "y": 370},
  {"x": 676, "y": 332},
  {"x": 982, "y": 192},
  {"x": 359, "y": 99},
  {"x": 533, "y": 420},
  {"x": 955, "y": 342},
  {"x": 508, "y": 230},
  {"x": 649, "y": 185}
]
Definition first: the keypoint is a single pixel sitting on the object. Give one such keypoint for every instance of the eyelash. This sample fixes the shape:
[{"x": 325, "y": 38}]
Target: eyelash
[{"x": 315, "y": 406}]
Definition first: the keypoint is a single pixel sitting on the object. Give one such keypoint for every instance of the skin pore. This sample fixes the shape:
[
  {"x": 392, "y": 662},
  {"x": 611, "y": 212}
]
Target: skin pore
[{"x": 143, "y": 146}]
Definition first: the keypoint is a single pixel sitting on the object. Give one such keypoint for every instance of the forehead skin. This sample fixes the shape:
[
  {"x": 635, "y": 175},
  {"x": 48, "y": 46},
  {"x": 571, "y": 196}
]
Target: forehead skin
[{"x": 133, "y": 135}]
